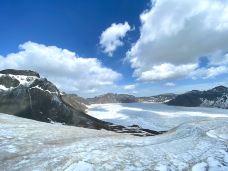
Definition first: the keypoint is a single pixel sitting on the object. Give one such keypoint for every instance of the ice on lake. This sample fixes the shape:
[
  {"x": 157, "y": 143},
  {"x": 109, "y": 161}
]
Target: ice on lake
[{"x": 153, "y": 116}]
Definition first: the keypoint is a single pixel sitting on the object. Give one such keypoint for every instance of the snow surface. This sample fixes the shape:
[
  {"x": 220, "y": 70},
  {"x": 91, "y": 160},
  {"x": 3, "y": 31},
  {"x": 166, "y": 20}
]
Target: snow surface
[
  {"x": 153, "y": 116},
  {"x": 31, "y": 145},
  {"x": 2, "y": 87}
]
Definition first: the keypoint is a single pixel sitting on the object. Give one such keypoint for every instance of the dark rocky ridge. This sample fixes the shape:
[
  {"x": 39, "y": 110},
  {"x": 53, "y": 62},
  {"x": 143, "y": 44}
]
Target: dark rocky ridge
[
  {"x": 20, "y": 72},
  {"x": 162, "y": 98},
  {"x": 8, "y": 81},
  {"x": 40, "y": 100},
  {"x": 112, "y": 98},
  {"x": 215, "y": 97}
]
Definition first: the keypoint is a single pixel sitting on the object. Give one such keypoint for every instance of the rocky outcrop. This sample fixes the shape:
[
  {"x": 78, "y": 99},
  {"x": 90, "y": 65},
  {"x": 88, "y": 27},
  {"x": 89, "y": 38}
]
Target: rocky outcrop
[
  {"x": 216, "y": 97},
  {"x": 8, "y": 81},
  {"x": 112, "y": 98},
  {"x": 36, "y": 98},
  {"x": 75, "y": 101},
  {"x": 162, "y": 98},
  {"x": 20, "y": 72}
]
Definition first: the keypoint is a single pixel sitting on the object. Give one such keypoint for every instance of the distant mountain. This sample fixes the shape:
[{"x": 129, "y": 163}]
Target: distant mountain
[
  {"x": 126, "y": 98},
  {"x": 25, "y": 94},
  {"x": 162, "y": 98},
  {"x": 75, "y": 101},
  {"x": 215, "y": 97},
  {"x": 112, "y": 98}
]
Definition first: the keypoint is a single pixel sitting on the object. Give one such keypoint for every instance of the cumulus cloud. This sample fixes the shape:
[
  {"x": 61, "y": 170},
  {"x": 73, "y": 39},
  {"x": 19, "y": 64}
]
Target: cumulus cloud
[
  {"x": 165, "y": 71},
  {"x": 210, "y": 72},
  {"x": 111, "y": 38},
  {"x": 175, "y": 34},
  {"x": 61, "y": 66},
  {"x": 129, "y": 87}
]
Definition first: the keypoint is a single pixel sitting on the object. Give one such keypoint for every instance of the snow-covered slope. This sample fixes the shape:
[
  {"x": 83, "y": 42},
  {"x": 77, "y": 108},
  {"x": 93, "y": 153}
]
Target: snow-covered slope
[{"x": 32, "y": 145}]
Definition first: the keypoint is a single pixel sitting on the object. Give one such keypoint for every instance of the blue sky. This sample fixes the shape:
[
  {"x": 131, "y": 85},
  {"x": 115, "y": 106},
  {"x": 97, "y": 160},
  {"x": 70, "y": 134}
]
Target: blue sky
[{"x": 170, "y": 42}]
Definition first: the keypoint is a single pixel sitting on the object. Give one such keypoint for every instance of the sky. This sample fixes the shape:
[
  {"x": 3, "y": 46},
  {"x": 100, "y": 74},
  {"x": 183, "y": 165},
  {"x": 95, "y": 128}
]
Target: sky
[{"x": 139, "y": 47}]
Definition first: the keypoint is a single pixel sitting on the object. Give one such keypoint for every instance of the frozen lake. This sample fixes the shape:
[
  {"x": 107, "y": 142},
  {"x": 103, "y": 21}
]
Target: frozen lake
[{"x": 153, "y": 116}]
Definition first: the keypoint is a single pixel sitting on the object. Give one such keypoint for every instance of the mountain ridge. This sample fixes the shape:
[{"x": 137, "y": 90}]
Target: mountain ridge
[
  {"x": 123, "y": 98},
  {"x": 215, "y": 97},
  {"x": 25, "y": 94}
]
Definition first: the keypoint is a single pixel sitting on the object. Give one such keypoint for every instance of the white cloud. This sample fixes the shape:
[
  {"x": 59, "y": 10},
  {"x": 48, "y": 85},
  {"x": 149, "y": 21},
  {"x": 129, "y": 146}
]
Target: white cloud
[
  {"x": 129, "y": 87},
  {"x": 177, "y": 33},
  {"x": 215, "y": 71},
  {"x": 61, "y": 66},
  {"x": 112, "y": 37},
  {"x": 165, "y": 71},
  {"x": 210, "y": 72},
  {"x": 170, "y": 84},
  {"x": 219, "y": 59}
]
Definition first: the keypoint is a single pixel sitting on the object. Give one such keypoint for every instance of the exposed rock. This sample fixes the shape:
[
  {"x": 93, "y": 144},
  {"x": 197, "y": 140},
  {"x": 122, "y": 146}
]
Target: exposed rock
[
  {"x": 216, "y": 97},
  {"x": 8, "y": 81},
  {"x": 20, "y": 72},
  {"x": 162, "y": 98},
  {"x": 112, "y": 98},
  {"x": 74, "y": 101}
]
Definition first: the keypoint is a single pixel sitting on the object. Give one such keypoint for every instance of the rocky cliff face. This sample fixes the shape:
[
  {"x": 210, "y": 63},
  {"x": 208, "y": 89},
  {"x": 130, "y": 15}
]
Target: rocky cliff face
[
  {"x": 25, "y": 94},
  {"x": 216, "y": 97}
]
